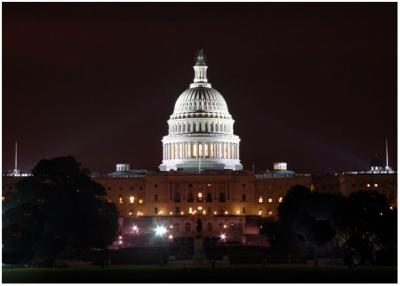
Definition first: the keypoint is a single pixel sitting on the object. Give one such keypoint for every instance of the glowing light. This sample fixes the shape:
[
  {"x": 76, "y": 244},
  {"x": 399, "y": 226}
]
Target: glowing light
[
  {"x": 368, "y": 185},
  {"x": 199, "y": 208},
  {"x": 226, "y": 212},
  {"x": 260, "y": 199},
  {"x": 215, "y": 213},
  {"x": 131, "y": 199},
  {"x": 160, "y": 212},
  {"x": 171, "y": 226},
  {"x": 260, "y": 212},
  {"x": 135, "y": 229},
  {"x": 140, "y": 201},
  {"x": 170, "y": 237},
  {"x": 130, "y": 213},
  {"x": 270, "y": 200},
  {"x": 222, "y": 236},
  {"x": 160, "y": 230},
  {"x": 120, "y": 200},
  {"x": 209, "y": 185},
  {"x": 225, "y": 226},
  {"x": 375, "y": 185},
  {"x": 381, "y": 214},
  {"x": 391, "y": 208},
  {"x": 280, "y": 199},
  {"x": 270, "y": 213},
  {"x": 204, "y": 212},
  {"x": 3, "y": 198},
  {"x": 182, "y": 213},
  {"x": 199, "y": 195},
  {"x": 190, "y": 210},
  {"x": 170, "y": 213},
  {"x": 238, "y": 212},
  {"x": 139, "y": 213}
]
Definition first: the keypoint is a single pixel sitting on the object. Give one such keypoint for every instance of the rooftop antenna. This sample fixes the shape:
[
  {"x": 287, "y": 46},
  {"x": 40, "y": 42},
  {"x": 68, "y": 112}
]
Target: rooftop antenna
[
  {"x": 387, "y": 156},
  {"x": 16, "y": 171}
]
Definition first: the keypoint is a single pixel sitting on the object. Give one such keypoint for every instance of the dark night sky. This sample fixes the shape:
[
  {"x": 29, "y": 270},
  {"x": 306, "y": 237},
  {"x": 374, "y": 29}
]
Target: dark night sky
[{"x": 310, "y": 84}]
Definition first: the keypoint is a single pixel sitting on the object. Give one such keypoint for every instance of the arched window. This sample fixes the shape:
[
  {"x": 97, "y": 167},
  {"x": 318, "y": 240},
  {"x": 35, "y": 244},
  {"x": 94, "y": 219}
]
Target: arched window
[
  {"x": 187, "y": 227},
  {"x": 209, "y": 227}
]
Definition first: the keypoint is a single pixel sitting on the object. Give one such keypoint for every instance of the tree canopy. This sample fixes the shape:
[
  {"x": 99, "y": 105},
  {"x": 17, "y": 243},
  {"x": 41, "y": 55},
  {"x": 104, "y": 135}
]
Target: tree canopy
[
  {"x": 361, "y": 223},
  {"x": 57, "y": 211}
]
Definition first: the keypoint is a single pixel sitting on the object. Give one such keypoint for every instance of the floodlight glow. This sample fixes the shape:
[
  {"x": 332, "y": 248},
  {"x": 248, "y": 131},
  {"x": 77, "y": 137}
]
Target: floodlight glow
[
  {"x": 160, "y": 230},
  {"x": 135, "y": 229},
  {"x": 222, "y": 236},
  {"x": 170, "y": 237}
]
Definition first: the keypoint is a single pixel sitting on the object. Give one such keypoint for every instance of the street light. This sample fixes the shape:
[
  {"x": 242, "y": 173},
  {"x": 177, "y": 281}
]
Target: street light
[
  {"x": 160, "y": 230},
  {"x": 222, "y": 237}
]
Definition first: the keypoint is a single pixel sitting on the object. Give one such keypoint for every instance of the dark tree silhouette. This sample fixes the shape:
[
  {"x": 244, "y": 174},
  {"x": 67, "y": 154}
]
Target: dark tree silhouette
[{"x": 62, "y": 210}]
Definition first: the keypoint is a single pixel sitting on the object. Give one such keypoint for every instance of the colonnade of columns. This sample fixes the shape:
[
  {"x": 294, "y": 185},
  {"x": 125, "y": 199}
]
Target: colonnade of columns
[{"x": 189, "y": 150}]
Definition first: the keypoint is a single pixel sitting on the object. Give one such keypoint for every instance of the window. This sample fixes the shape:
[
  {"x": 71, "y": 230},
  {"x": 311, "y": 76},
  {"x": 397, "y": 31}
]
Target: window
[
  {"x": 243, "y": 210},
  {"x": 280, "y": 199},
  {"x": 260, "y": 199},
  {"x": 131, "y": 199},
  {"x": 209, "y": 198},
  {"x": 209, "y": 227},
  {"x": 177, "y": 197},
  {"x": 120, "y": 200},
  {"x": 155, "y": 198},
  {"x": 244, "y": 185},
  {"x": 199, "y": 197},
  {"x": 243, "y": 197},
  {"x": 270, "y": 200},
  {"x": 222, "y": 197},
  {"x": 155, "y": 186},
  {"x": 190, "y": 198},
  {"x": 177, "y": 210},
  {"x": 156, "y": 210},
  {"x": 190, "y": 185},
  {"x": 109, "y": 188},
  {"x": 120, "y": 188}
]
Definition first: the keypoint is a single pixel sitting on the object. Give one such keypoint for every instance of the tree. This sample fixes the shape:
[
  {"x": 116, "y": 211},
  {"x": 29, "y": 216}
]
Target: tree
[
  {"x": 62, "y": 209},
  {"x": 306, "y": 221},
  {"x": 366, "y": 225}
]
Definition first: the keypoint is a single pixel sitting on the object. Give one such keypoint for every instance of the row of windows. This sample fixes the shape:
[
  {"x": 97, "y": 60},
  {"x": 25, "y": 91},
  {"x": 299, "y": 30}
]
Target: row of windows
[
  {"x": 270, "y": 200},
  {"x": 196, "y": 127},
  {"x": 199, "y": 210},
  {"x": 131, "y": 200}
]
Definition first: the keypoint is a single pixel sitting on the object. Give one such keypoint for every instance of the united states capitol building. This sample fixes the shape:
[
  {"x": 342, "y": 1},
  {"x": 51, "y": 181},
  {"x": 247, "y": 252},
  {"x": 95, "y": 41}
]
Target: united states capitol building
[{"x": 201, "y": 180}]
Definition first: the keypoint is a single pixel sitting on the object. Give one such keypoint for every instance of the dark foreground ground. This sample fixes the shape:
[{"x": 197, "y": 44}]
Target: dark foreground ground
[{"x": 177, "y": 274}]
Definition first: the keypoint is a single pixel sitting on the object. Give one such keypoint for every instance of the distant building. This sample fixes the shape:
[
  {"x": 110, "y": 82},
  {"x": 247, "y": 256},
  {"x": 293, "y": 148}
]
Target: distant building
[{"x": 201, "y": 178}]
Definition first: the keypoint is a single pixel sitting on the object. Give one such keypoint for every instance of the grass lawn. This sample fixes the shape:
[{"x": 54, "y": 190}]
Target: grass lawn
[{"x": 228, "y": 274}]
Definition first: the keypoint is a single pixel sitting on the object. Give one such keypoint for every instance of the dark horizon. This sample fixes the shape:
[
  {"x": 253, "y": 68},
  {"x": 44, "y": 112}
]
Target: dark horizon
[{"x": 310, "y": 84}]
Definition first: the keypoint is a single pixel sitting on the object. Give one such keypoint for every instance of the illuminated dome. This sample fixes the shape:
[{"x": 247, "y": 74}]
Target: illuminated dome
[
  {"x": 201, "y": 99},
  {"x": 200, "y": 129}
]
